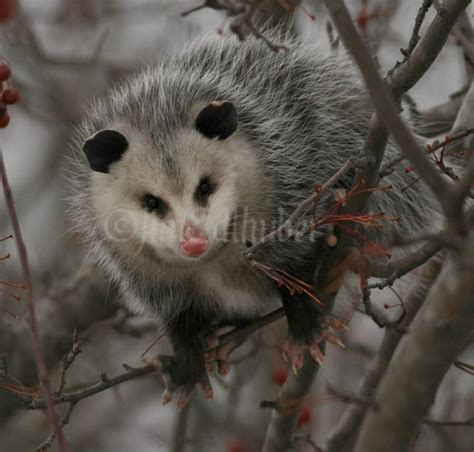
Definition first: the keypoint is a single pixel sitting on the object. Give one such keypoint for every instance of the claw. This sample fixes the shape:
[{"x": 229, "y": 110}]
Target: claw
[
  {"x": 207, "y": 391},
  {"x": 317, "y": 354},
  {"x": 293, "y": 351},
  {"x": 223, "y": 352},
  {"x": 217, "y": 353},
  {"x": 288, "y": 349},
  {"x": 332, "y": 338},
  {"x": 337, "y": 324},
  {"x": 211, "y": 342},
  {"x": 177, "y": 379},
  {"x": 154, "y": 361},
  {"x": 183, "y": 399},
  {"x": 223, "y": 368},
  {"x": 210, "y": 356},
  {"x": 297, "y": 360},
  {"x": 167, "y": 397}
]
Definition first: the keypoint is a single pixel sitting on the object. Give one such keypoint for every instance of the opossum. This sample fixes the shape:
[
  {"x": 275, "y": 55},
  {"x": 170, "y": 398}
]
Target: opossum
[{"x": 183, "y": 166}]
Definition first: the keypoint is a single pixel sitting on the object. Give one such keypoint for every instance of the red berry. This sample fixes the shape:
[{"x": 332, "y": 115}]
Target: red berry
[
  {"x": 10, "y": 96},
  {"x": 5, "y": 72},
  {"x": 4, "y": 120},
  {"x": 279, "y": 376},
  {"x": 7, "y": 9},
  {"x": 362, "y": 19},
  {"x": 236, "y": 445},
  {"x": 305, "y": 416}
]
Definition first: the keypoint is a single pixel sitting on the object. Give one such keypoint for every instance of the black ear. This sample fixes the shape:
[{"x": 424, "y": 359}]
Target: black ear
[
  {"x": 218, "y": 119},
  {"x": 104, "y": 148}
]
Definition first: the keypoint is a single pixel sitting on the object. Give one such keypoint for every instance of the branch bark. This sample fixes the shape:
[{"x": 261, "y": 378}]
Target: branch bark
[
  {"x": 32, "y": 321},
  {"x": 404, "y": 76},
  {"x": 75, "y": 303},
  {"x": 439, "y": 334},
  {"x": 352, "y": 417}
]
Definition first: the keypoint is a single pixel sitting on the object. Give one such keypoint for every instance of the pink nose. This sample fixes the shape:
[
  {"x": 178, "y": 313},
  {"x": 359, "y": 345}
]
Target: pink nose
[
  {"x": 195, "y": 242},
  {"x": 194, "y": 247}
]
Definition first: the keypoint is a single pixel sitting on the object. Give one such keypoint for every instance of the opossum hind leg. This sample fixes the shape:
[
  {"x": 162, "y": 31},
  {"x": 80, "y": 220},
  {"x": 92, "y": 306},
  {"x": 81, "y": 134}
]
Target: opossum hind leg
[{"x": 307, "y": 329}]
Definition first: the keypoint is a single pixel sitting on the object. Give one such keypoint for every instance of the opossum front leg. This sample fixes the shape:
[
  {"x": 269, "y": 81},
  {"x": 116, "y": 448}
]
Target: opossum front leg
[
  {"x": 307, "y": 328},
  {"x": 187, "y": 368}
]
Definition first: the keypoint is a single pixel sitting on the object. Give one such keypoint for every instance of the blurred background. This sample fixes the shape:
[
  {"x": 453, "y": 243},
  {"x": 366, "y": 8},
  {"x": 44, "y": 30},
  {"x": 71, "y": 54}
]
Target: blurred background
[{"x": 63, "y": 53}]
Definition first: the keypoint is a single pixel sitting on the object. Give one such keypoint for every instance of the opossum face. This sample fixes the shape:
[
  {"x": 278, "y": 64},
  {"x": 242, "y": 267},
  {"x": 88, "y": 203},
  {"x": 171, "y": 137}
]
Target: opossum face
[{"x": 177, "y": 203}]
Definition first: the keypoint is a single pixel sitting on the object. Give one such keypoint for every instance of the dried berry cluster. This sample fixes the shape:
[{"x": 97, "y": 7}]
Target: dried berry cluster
[{"x": 9, "y": 95}]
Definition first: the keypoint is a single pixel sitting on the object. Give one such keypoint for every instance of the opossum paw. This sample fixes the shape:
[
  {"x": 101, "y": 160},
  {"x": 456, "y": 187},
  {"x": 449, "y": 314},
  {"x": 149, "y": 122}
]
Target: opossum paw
[
  {"x": 217, "y": 353},
  {"x": 181, "y": 377},
  {"x": 293, "y": 352},
  {"x": 293, "y": 349}
]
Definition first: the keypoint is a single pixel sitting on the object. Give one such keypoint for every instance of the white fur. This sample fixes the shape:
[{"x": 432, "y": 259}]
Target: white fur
[{"x": 302, "y": 114}]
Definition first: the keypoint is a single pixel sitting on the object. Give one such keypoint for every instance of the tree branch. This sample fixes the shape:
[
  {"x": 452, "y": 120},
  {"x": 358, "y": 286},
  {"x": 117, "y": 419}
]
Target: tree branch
[
  {"x": 32, "y": 322},
  {"x": 354, "y": 414},
  {"x": 131, "y": 373},
  {"x": 438, "y": 335}
]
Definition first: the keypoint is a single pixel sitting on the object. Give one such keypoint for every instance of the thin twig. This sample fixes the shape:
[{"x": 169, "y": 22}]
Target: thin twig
[
  {"x": 348, "y": 397},
  {"x": 450, "y": 423},
  {"x": 469, "y": 368},
  {"x": 32, "y": 322},
  {"x": 132, "y": 373},
  {"x": 354, "y": 414},
  {"x": 415, "y": 36},
  {"x": 303, "y": 208},
  {"x": 431, "y": 148},
  {"x": 307, "y": 439},
  {"x": 396, "y": 269},
  {"x": 64, "y": 421},
  {"x": 68, "y": 360},
  {"x": 385, "y": 104}
]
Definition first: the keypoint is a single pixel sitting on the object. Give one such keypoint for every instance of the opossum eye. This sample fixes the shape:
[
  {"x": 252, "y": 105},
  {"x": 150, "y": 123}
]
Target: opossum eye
[
  {"x": 218, "y": 119},
  {"x": 154, "y": 204},
  {"x": 204, "y": 190},
  {"x": 104, "y": 148},
  {"x": 205, "y": 187}
]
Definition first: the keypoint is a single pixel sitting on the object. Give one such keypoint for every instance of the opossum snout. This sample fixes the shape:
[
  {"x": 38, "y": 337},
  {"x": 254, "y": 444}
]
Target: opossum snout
[{"x": 195, "y": 242}]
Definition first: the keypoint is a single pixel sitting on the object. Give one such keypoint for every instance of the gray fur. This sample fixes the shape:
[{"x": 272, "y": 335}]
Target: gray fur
[{"x": 303, "y": 112}]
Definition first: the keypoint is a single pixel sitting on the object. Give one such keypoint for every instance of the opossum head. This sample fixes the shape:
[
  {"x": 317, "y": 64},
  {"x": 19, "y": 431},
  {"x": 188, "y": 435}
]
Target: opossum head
[{"x": 176, "y": 201}]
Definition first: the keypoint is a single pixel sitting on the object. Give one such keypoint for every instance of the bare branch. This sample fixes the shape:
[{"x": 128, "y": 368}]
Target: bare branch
[
  {"x": 68, "y": 360},
  {"x": 438, "y": 119},
  {"x": 32, "y": 322},
  {"x": 450, "y": 423},
  {"x": 303, "y": 208},
  {"x": 396, "y": 269},
  {"x": 352, "y": 417},
  {"x": 64, "y": 421},
  {"x": 132, "y": 373},
  {"x": 437, "y": 336},
  {"x": 383, "y": 100},
  {"x": 415, "y": 37},
  {"x": 307, "y": 439},
  {"x": 331, "y": 274},
  {"x": 105, "y": 383},
  {"x": 290, "y": 400},
  {"x": 430, "y": 149},
  {"x": 469, "y": 368},
  {"x": 249, "y": 15}
]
